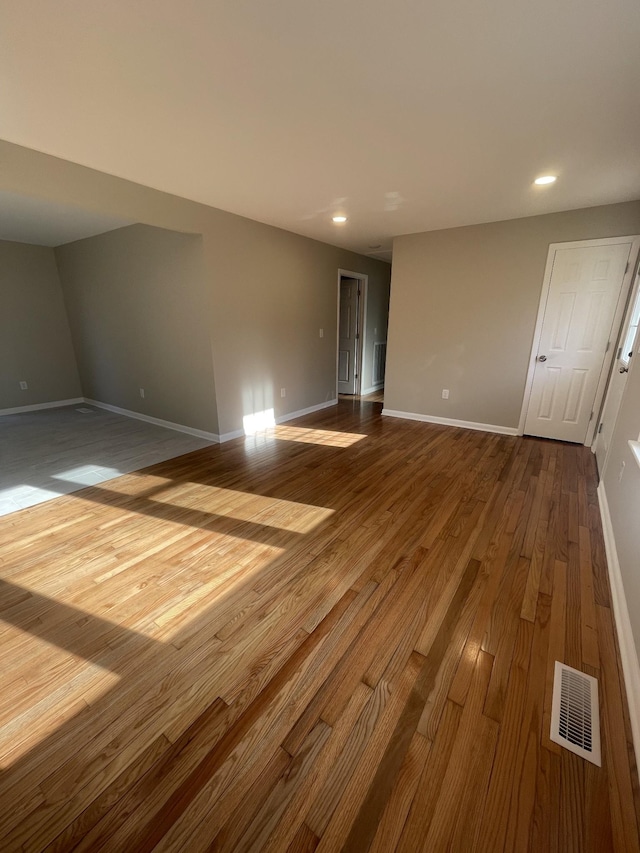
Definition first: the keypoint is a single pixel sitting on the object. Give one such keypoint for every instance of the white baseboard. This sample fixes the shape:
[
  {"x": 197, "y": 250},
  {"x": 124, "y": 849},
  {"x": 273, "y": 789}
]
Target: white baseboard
[
  {"x": 56, "y": 404},
  {"x": 229, "y": 436},
  {"x": 371, "y": 389},
  {"x": 198, "y": 433},
  {"x": 290, "y": 416},
  {"x": 628, "y": 651},
  {"x": 432, "y": 419},
  {"x": 128, "y": 413},
  {"x": 308, "y": 411}
]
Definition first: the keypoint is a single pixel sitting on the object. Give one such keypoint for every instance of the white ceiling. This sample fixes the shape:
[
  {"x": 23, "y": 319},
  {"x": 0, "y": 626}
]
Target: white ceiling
[
  {"x": 407, "y": 115},
  {"x": 31, "y": 220}
]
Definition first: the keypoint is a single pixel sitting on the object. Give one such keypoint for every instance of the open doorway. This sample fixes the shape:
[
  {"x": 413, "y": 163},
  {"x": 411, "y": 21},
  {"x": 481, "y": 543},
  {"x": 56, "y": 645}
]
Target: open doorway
[
  {"x": 351, "y": 291},
  {"x": 363, "y": 318}
]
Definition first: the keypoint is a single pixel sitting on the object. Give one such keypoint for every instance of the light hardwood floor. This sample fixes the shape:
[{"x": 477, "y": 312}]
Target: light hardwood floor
[
  {"x": 336, "y": 636},
  {"x": 54, "y": 452}
]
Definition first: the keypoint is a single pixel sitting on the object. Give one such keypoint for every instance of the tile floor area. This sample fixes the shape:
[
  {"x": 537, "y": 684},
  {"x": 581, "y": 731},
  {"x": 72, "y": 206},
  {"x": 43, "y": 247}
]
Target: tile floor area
[{"x": 54, "y": 452}]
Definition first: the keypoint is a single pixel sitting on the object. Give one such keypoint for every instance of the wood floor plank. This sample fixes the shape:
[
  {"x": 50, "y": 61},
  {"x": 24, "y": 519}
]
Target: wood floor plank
[
  {"x": 573, "y": 625},
  {"x": 527, "y": 755},
  {"x": 450, "y": 658},
  {"x": 589, "y": 631},
  {"x": 297, "y": 807},
  {"x": 326, "y": 800},
  {"x": 371, "y": 809},
  {"x": 511, "y": 607},
  {"x": 546, "y": 811},
  {"x": 475, "y": 739},
  {"x": 397, "y": 808},
  {"x": 265, "y": 821},
  {"x": 471, "y": 802},
  {"x": 491, "y": 831},
  {"x": 354, "y": 797},
  {"x": 151, "y": 786},
  {"x": 557, "y": 630},
  {"x": 304, "y": 842},
  {"x": 243, "y": 816},
  {"x": 429, "y": 785},
  {"x": 598, "y": 832}
]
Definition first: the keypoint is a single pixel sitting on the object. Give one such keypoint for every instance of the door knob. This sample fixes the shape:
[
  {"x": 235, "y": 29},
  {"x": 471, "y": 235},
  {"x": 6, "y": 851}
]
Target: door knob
[
  {"x": 542, "y": 358},
  {"x": 624, "y": 370}
]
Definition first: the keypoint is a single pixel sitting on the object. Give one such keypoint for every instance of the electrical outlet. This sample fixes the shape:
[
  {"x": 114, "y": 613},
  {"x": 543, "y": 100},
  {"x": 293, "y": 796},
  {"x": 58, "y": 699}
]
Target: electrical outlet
[
  {"x": 142, "y": 392},
  {"x": 445, "y": 393},
  {"x": 283, "y": 392},
  {"x": 23, "y": 385},
  {"x": 322, "y": 333}
]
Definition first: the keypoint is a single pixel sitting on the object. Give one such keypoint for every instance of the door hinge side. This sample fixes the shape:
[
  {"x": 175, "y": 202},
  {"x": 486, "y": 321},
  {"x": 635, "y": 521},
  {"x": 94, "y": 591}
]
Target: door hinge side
[
  {"x": 600, "y": 427},
  {"x": 619, "y": 352},
  {"x": 606, "y": 350},
  {"x": 590, "y": 417},
  {"x": 626, "y": 269}
]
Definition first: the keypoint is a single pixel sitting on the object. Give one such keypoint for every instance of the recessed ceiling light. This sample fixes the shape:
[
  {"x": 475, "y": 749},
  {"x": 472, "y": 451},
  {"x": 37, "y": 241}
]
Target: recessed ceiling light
[
  {"x": 339, "y": 219},
  {"x": 546, "y": 179}
]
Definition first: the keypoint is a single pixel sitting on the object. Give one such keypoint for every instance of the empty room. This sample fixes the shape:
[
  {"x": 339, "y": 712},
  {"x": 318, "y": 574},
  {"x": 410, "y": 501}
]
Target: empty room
[{"x": 319, "y": 426}]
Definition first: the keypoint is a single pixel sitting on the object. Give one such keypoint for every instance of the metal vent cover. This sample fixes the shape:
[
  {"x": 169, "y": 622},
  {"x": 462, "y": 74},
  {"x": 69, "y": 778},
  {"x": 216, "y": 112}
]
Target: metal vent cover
[
  {"x": 85, "y": 411},
  {"x": 575, "y": 718}
]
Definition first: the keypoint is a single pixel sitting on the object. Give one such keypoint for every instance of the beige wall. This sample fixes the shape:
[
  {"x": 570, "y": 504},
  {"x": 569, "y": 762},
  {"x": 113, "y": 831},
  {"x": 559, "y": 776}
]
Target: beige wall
[
  {"x": 463, "y": 309},
  {"x": 138, "y": 314},
  {"x": 35, "y": 343},
  {"x": 274, "y": 292},
  {"x": 267, "y": 291}
]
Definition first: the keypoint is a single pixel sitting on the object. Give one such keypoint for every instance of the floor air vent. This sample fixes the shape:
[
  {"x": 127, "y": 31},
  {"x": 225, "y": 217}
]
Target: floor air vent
[
  {"x": 85, "y": 411},
  {"x": 575, "y": 720}
]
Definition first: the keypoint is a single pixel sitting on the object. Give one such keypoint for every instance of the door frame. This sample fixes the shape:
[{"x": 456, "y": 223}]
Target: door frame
[
  {"x": 617, "y": 321},
  {"x": 634, "y": 290},
  {"x": 364, "y": 282}
]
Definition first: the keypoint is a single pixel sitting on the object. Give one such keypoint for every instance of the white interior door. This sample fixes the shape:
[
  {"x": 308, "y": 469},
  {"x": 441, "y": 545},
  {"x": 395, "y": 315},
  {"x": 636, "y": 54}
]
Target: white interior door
[
  {"x": 348, "y": 336},
  {"x": 584, "y": 290}
]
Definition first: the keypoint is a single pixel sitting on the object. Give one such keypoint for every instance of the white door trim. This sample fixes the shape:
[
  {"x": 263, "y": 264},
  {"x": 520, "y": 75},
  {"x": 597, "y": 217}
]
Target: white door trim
[
  {"x": 364, "y": 279},
  {"x": 615, "y": 362},
  {"x": 617, "y": 320}
]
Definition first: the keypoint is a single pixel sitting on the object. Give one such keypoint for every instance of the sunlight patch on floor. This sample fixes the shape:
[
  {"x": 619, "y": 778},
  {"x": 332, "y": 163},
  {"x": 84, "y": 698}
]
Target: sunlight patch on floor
[
  {"x": 87, "y": 475},
  {"x": 220, "y": 503},
  {"x": 243, "y": 506},
  {"x": 325, "y": 437},
  {"x": 177, "y": 614}
]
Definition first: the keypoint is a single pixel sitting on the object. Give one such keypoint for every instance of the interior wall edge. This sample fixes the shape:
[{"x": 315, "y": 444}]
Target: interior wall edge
[
  {"x": 434, "y": 419},
  {"x": 54, "y": 404},
  {"x": 129, "y": 413},
  {"x": 290, "y": 416}
]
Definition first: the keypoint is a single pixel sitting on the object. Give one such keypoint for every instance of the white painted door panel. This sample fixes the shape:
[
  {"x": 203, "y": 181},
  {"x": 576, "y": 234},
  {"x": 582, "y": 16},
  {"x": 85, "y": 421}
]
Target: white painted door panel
[
  {"x": 347, "y": 336},
  {"x": 583, "y": 295}
]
